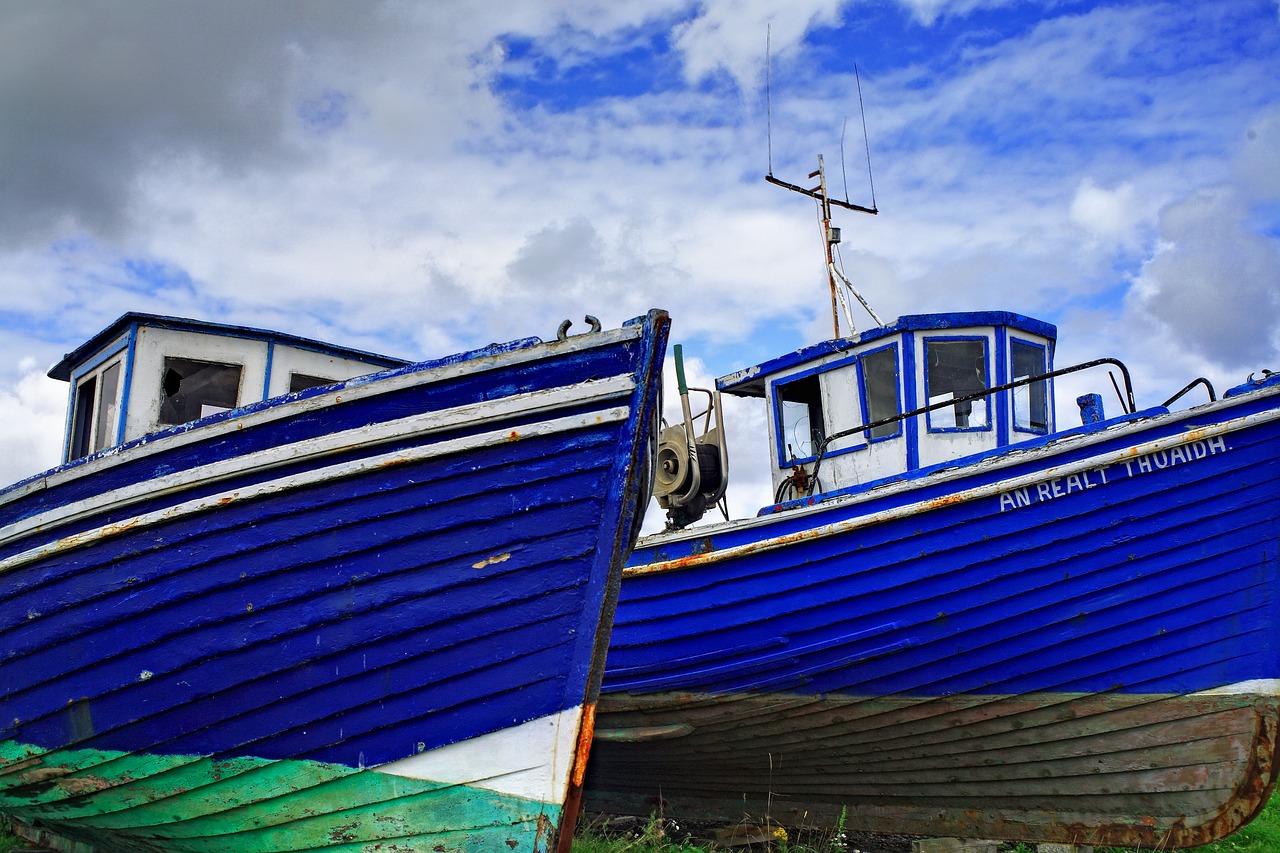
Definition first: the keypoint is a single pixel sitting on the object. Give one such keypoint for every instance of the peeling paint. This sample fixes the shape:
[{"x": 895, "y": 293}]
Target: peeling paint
[{"x": 492, "y": 561}]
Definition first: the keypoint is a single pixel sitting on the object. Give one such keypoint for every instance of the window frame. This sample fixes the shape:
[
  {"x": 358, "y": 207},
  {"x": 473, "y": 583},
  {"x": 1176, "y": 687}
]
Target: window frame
[
  {"x": 859, "y": 440},
  {"x": 1046, "y": 384},
  {"x": 989, "y": 422},
  {"x": 93, "y": 429},
  {"x": 865, "y": 400},
  {"x": 165, "y": 366},
  {"x": 305, "y": 381},
  {"x": 780, "y": 444}
]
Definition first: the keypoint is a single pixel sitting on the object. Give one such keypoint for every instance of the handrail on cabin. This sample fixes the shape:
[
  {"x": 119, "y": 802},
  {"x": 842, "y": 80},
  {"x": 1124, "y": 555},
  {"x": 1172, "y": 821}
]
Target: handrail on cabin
[{"x": 1127, "y": 401}]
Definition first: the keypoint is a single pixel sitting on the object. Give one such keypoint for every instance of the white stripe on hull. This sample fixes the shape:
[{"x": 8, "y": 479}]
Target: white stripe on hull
[
  {"x": 510, "y": 761},
  {"x": 357, "y": 388},
  {"x": 1261, "y": 687},
  {"x": 312, "y": 477},
  {"x": 423, "y": 424}
]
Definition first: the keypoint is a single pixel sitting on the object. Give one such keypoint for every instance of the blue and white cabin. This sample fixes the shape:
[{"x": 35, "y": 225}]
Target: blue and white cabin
[
  {"x": 918, "y": 360},
  {"x": 147, "y": 372}
]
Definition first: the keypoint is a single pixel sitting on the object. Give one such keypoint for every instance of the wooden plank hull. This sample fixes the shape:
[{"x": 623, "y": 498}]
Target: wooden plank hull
[
  {"x": 369, "y": 617},
  {"x": 1073, "y": 642},
  {"x": 1056, "y": 767}
]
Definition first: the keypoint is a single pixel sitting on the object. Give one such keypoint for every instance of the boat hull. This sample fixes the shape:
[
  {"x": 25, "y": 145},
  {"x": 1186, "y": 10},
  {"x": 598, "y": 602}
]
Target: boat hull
[
  {"x": 1074, "y": 642},
  {"x": 369, "y": 617}
]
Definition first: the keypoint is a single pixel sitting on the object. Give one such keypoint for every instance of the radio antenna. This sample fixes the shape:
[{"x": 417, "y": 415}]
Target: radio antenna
[
  {"x": 830, "y": 234},
  {"x": 830, "y": 238},
  {"x": 844, "y": 175},
  {"x": 768, "y": 102},
  {"x": 865, "y": 138}
]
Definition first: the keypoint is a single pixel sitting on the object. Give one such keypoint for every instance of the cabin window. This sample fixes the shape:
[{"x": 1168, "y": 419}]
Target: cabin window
[
  {"x": 1030, "y": 402},
  {"x": 956, "y": 367},
  {"x": 193, "y": 389},
  {"x": 104, "y": 429},
  {"x": 879, "y": 370},
  {"x": 96, "y": 415},
  {"x": 301, "y": 381},
  {"x": 800, "y": 418},
  {"x": 82, "y": 420}
]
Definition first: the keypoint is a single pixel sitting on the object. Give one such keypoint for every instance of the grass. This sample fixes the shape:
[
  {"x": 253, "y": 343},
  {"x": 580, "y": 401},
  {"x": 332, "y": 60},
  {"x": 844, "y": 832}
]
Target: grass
[
  {"x": 8, "y": 841},
  {"x": 1260, "y": 836}
]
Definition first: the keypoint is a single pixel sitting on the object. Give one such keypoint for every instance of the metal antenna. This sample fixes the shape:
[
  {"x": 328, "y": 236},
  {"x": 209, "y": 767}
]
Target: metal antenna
[
  {"x": 830, "y": 236},
  {"x": 768, "y": 102},
  {"x": 865, "y": 138},
  {"x": 844, "y": 175}
]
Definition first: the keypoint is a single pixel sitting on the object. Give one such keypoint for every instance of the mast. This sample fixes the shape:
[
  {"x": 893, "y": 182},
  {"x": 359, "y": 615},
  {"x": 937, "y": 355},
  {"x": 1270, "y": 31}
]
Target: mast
[
  {"x": 831, "y": 236},
  {"x": 829, "y": 239}
]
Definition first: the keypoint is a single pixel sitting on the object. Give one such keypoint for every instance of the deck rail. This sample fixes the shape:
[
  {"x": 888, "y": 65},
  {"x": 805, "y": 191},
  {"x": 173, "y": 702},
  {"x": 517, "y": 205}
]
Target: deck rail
[{"x": 1126, "y": 401}]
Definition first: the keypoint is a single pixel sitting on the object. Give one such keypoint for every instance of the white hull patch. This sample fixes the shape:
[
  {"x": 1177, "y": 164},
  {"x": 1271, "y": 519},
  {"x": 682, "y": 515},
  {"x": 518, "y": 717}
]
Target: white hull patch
[{"x": 511, "y": 761}]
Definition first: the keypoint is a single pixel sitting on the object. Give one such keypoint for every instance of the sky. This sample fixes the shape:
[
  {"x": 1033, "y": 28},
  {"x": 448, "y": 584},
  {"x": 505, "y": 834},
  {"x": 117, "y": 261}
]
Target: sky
[{"x": 421, "y": 178}]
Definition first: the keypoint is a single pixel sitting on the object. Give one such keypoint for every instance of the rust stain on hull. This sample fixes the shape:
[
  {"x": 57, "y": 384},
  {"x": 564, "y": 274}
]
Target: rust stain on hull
[{"x": 573, "y": 800}]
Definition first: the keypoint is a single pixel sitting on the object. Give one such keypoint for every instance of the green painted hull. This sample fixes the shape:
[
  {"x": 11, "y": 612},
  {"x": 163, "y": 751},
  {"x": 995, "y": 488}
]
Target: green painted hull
[{"x": 171, "y": 803}]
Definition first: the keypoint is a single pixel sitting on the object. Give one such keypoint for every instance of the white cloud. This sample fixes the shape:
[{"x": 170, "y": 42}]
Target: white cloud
[
  {"x": 31, "y": 422},
  {"x": 1257, "y": 163},
  {"x": 927, "y": 12},
  {"x": 738, "y": 36},
  {"x": 1212, "y": 280},
  {"x": 1111, "y": 216}
]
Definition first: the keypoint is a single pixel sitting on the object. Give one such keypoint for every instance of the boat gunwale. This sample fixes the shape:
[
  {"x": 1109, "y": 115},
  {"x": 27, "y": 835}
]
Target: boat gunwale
[
  {"x": 434, "y": 450},
  {"x": 413, "y": 426}
]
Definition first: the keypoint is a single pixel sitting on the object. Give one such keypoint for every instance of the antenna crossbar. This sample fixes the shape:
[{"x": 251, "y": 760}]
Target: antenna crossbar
[{"x": 819, "y": 196}]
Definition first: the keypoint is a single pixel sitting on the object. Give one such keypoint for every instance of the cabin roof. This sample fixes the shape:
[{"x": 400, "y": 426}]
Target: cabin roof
[
  {"x": 64, "y": 368},
  {"x": 750, "y": 381}
]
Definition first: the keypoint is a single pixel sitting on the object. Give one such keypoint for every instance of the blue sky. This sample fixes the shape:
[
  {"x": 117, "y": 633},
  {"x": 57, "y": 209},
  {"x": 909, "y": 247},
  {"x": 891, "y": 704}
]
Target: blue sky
[{"x": 418, "y": 178}]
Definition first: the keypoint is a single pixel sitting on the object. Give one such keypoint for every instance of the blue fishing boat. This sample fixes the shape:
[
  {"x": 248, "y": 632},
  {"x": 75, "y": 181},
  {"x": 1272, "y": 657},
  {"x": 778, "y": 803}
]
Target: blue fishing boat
[
  {"x": 961, "y": 616},
  {"x": 284, "y": 595}
]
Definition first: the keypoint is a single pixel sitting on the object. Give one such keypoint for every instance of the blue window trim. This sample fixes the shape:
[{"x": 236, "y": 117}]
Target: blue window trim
[
  {"x": 67, "y": 423},
  {"x": 1048, "y": 401},
  {"x": 1004, "y": 399},
  {"x": 750, "y": 381},
  {"x": 780, "y": 444},
  {"x": 126, "y": 386},
  {"x": 125, "y": 344},
  {"x": 910, "y": 400},
  {"x": 865, "y": 403},
  {"x": 103, "y": 357},
  {"x": 266, "y": 378},
  {"x": 986, "y": 368}
]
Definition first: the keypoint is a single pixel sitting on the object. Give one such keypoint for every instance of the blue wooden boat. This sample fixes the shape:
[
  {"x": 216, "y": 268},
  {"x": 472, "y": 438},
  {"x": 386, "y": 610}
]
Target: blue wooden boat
[
  {"x": 961, "y": 617},
  {"x": 284, "y": 595}
]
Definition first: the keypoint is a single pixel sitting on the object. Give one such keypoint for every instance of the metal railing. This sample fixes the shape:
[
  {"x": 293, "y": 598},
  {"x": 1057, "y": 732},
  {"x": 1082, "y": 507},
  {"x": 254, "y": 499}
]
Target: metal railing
[
  {"x": 1193, "y": 383},
  {"x": 1126, "y": 400}
]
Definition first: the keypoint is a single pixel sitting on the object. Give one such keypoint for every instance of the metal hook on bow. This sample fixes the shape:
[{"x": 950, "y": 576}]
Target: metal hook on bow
[{"x": 563, "y": 332}]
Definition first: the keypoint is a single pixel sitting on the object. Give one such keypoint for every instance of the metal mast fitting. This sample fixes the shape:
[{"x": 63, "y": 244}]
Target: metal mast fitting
[{"x": 831, "y": 237}]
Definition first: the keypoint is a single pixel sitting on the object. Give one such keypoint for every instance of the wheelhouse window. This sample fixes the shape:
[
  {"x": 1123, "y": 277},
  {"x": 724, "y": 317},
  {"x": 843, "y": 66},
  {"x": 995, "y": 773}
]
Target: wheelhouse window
[
  {"x": 193, "y": 389},
  {"x": 957, "y": 367},
  {"x": 1030, "y": 402},
  {"x": 96, "y": 414},
  {"x": 879, "y": 373},
  {"x": 302, "y": 381},
  {"x": 800, "y": 421}
]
